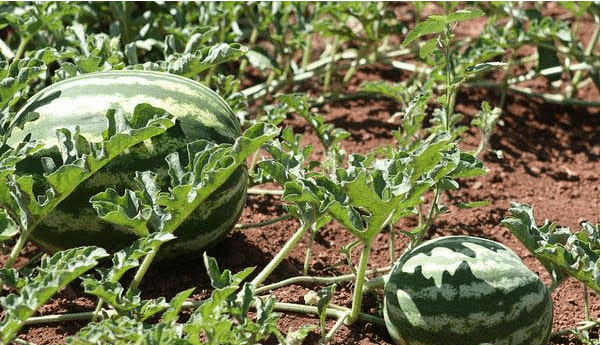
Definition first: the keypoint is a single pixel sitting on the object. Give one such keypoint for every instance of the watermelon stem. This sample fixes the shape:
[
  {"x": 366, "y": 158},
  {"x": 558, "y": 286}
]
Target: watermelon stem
[
  {"x": 587, "y": 325},
  {"x": 259, "y": 191},
  {"x": 358, "y": 289},
  {"x": 374, "y": 283},
  {"x": 335, "y": 328},
  {"x": 23, "y": 238},
  {"x": 429, "y": 220},
  {"x": 331, "y": 311},
  {"x": 148, "y": 259},
  {"x": 284, "y": 251},
  {"x": 14, "y": 254},
  {"x": 308, "y": 251},
  {"x": 392, "y": 236},
  {"x": 21, "y": 48},
  {"x": 588, "y": 316}
]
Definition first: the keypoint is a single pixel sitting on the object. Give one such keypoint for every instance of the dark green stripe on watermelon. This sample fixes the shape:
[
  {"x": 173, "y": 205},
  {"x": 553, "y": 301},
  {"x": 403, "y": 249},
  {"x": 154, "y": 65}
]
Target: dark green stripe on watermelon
[
  {"x": 200, "y": 114},
  {"x": 461, "y": 294}
]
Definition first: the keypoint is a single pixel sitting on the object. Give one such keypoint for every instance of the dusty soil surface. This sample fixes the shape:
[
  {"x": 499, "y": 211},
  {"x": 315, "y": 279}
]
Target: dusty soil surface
[{"x": 550, "y": 159}]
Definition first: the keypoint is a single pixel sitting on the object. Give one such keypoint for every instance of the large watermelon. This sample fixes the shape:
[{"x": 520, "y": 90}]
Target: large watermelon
[
  {"x": 83, "y": 101},
  {"x": 462, "y": 290}
]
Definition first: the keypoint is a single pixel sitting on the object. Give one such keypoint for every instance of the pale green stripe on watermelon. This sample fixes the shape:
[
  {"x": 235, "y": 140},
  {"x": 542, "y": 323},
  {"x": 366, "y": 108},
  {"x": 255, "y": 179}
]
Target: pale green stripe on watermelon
[{"x": 83, "y": 98}]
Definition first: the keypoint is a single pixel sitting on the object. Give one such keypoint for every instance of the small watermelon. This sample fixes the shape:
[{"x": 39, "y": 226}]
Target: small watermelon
[
  {"x": 83, "y": 101},
  {"x": 462, "y": 290}
]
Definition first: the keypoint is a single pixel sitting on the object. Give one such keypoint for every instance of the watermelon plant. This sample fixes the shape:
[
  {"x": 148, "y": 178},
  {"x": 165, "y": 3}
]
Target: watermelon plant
[{"x": 79, "y": 105}]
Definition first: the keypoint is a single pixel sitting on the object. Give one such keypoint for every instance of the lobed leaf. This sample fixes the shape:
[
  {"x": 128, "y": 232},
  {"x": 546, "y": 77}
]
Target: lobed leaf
[
  {"x": 129, "y": 257},
  {"x": 138, "y": 210},
  {"x": 15, "y": 80},
  {"x": 81, "y": 158},
  {"x": 191, "y": 64},
  {"x": 328, "y": 134},
  {"x": 464, "y": 15},
  {"x": 126, "y": 330},
  {"x": 468, "y": 166},
  {"x": 437, "y": 23},
  {"x": 325, "y": 295},
  {"x": 171, "y": 315},
  {"x": 52, "y": 275},
  {"x": 125, "y": 302},
  {"x": 223, "y": 279},
  {"x": 562, "y": 252}
]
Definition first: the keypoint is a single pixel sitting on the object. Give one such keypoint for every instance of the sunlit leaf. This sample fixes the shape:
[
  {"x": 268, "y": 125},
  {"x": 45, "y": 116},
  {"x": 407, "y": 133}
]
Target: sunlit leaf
[
  {"x": 50, "y": 276},
  {"x": 561, "y": 251}
]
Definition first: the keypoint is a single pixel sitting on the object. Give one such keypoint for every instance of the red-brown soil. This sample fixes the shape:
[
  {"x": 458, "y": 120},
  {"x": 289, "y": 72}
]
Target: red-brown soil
[{"x": 550, "y": 160}]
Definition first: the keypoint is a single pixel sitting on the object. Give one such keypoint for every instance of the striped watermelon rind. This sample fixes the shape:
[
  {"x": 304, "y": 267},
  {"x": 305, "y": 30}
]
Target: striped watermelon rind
[
  {"x": 83, "y": 101},
  {"x": 465, "y": 290}
]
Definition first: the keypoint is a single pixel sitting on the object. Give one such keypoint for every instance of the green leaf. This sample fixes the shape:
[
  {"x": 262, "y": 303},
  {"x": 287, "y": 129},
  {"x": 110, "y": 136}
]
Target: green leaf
[
  {"x": 267, "y": 319},
  {"x": 245, "y": 298},
  {"x": 298, "y": 336},
  {"x": 223, "y": 279},
  {"x": 260, "y": 59},
  {"x": 468, "y": 166},
  {"x": 129, "y": 257},
  {"x": 199, "y": 37},
  {"x": 175, "y": 305},
  {"x": 430, "y": 26},
  {"x": 82, "y": 158},
  {"x": 14, "y": 200},
  {"x": 209, "y": 166},
  {"x": 127, "y": 330},
  {"x": 464, "y": 14},
  {"x": 211, "y": 319},
  {"x": 473, "y": 204},
  {"x": 428, "y": 48},
  {"x": 52, "y": 275},
  {"x": 484, "y": 67},
  {"x": 428, "y": 155},
  {"x": 325, "y": 295},
  {"x": 8, "y": 226},
  {"x": 15, "y": 81},
  {"x": 135, "y": 209},
  {"x": 562, "y": 252},
  {"x": 10, "y": 277},
  {"x": 190, "y": 65},
  {"x": 124, "y": 302},
  {"x": 328, "y": 134},
  {"x": 437, "y": 24},
  {"x": 285, "y": 166}
]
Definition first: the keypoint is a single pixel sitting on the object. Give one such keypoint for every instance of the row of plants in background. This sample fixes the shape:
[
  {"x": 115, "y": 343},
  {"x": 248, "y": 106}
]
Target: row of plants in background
[
  {"x": 218, "y": 43},
  {"x": 192, "y": 39}
]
